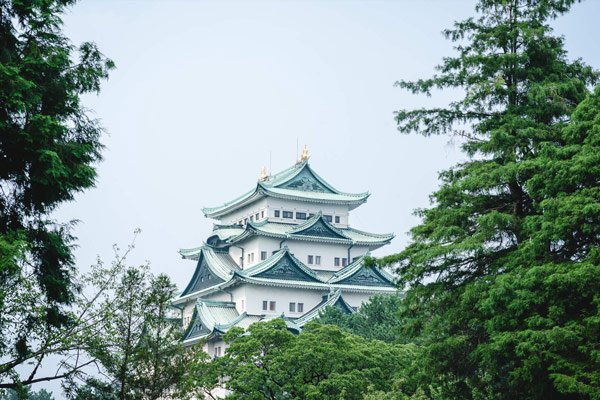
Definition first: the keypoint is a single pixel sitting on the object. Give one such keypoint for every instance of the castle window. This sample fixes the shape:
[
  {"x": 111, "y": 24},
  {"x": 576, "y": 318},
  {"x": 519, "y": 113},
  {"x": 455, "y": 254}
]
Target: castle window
[
  {"x": 276, "y": 214},
  {"x": 256, "y": 216},
  {"x": 300, "y": 307},
  {"x": 265, "y": 305},
  {"x": 344, "y": 262},
  {"x": 328, "y": 218},
  {"x": 337, "y": 219},
  {"x": 300, "y": 215},
  {"x": 318, "y": 260},
  {"x": 271, "y": 306},
  {"x": 250, "y": 257},
  {"x": 263, "y": 255},
  {"x": 310, "y": 260},
  {"x": 288, "y": 214},
  {"x": 262, "y": 214},
  {"x": 336, "y": 262},
  {"x": 292, "y": 307},
  {"x": 252, "y": 218}
]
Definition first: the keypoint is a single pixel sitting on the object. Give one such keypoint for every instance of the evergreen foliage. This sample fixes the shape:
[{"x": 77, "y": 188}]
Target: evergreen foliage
[
  {"x": 503, "y": 270},
  {"x": 48, "y": 147},
  {"x": 323, "y": 362}
]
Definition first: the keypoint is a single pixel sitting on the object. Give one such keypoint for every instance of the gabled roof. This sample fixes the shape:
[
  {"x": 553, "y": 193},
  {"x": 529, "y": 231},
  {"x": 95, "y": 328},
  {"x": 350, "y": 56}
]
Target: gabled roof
[
  {"x": 281, "y": 266},
  {"x": 217, "y": 271},
  {"x": 212, "y": 269},
  {"x": 357, "y": 273},
  {"x": 298, "y": 182},
  {"x": 315, "y": 229},
  {"x": 318, "y": 227},
  {"x": 333, "y": 299},
  {"x": 217, "y": 317}
]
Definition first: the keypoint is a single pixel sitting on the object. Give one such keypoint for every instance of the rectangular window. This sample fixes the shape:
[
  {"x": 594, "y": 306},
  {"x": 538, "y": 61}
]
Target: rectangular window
[
  {"x": 250, "y": 257},
  {"x": 276, "y": 214},
  {"x": 263, "y": 255},
  {"x": 262, "y": 214},
  {"x": 272, "y": 306},
  {"x": 252, "y": 218},
  {"x": 310, "y": 260},
  {"x": 265, "y": 305},
  {"x": 292, "y": 307},
  {"x": 288, "y": 214},
  {"x": 300, "y": 215},
  {"x": 256, "y": 216},
  {"x": 344, "y": 262},
  {"x": 337, "y": 219},
  {"x": 243, "y": 308},
  {"x": 336, "y": 262},
  {"x": 317, "y": 260},
  {"x": 300, "y": 307},
  {"x": 328, "y": 218}
]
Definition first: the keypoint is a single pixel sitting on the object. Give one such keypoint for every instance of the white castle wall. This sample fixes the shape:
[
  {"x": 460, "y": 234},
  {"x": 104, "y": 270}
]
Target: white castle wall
[
  {"x": 265, "y": 208},
  {"x": 256, "y": 294}
]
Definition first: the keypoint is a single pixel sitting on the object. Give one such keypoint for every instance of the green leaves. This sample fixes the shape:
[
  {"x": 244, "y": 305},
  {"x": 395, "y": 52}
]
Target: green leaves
[{"x": 503, "y": 269}]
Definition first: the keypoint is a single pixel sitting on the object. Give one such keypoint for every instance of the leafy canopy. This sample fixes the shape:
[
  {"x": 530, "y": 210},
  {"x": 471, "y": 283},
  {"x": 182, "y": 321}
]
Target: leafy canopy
[{"x": 502, "y": 271}]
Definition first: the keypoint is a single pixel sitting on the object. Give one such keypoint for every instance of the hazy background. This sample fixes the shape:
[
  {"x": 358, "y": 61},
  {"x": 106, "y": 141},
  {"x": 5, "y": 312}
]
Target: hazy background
[{"x": 205, "y": 92}]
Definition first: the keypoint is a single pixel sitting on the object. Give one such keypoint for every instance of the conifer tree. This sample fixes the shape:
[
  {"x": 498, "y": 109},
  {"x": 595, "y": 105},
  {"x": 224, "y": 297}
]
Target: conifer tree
[
  {"x": 48, "y": 147},
  {"x": 503, "y": 270}
]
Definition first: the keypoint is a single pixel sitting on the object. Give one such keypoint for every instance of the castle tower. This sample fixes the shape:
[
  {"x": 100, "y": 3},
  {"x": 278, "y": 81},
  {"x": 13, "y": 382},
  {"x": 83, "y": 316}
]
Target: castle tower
[{"x": 284, "y": 249}]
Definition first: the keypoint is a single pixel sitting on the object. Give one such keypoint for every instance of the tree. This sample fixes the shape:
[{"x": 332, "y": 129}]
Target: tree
[
  {"x": 48, "y": 148},
  {"x": 138, "y": 342},
  {"x": 376, "y": 319},
  {"x": 503, "y": 270},
  {"x": 322, "y": 362}
]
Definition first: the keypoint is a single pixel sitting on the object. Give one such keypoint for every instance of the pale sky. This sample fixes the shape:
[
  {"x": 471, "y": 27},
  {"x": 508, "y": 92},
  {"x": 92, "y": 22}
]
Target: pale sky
[{"x": 205, "y": 92}]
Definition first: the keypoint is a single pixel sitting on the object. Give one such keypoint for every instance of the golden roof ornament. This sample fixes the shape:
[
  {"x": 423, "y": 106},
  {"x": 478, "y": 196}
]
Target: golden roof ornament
[
  {"x": 304, "y": 155},
  {"x": 263, "y": 174}
]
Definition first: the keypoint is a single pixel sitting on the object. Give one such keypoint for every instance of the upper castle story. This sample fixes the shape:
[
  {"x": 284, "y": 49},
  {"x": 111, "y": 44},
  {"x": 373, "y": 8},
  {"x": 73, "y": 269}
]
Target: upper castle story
[{"x": 291, "y": 196}]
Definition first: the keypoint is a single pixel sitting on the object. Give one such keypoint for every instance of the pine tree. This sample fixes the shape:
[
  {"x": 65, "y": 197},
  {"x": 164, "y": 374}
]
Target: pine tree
[
  {"x": 48, "y": 147},
  {"x": 503, "y": 270}
]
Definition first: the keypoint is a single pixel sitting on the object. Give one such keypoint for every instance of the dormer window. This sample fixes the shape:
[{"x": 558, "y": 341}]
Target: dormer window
[
  {"x": 300, "y": 215},
  {"x": 328, "y": 218}
]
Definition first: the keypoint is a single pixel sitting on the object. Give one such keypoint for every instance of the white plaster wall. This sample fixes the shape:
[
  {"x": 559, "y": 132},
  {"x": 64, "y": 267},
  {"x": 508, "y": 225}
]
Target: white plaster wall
[
  {"x": 355, "y": 299},
  {"x": 256, "y": 294},
  {"x": 306, "y": 207},
  {"x": 245, "y": 212},
  {"x": 299, "y": 248}
]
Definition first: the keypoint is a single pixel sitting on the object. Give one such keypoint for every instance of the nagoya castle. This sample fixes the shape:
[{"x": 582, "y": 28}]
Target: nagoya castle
[{"x": 285, "y": 249}]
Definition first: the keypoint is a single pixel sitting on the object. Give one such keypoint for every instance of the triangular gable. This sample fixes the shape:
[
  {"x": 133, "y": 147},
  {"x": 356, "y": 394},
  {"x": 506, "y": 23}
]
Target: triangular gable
[
  {"x": 307, "y": 181},
  {"x": 344, "y": 307},
  {"x": 366, "y": 276},
  {"x": 320, "y": 228},
  {"x": 203, "y": 277},
  {"x": 287, "y": 269},
  {"x": 196, "y": 328}
]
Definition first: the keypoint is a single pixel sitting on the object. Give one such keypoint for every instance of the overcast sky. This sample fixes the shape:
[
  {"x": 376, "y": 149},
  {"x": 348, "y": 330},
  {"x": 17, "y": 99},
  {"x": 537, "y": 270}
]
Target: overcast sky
[{"x": 205, "y": 93}]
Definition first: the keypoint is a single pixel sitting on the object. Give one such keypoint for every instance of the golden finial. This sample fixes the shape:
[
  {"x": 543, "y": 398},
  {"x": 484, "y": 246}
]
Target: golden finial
[
  {"x": 263, "y": 174},
  {"x": 304, "y": 155}
]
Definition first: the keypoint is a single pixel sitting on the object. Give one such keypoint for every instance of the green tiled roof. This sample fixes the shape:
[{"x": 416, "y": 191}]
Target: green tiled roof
[
  {"x": 281, "y": 269},
  {"x": 281, "y": 266},
  {"x": 298, "y": 182},
  {"x": 315, "y": 228},
  {"x": 217, "y": 317},
  {"x": 333, "y": 299}
]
